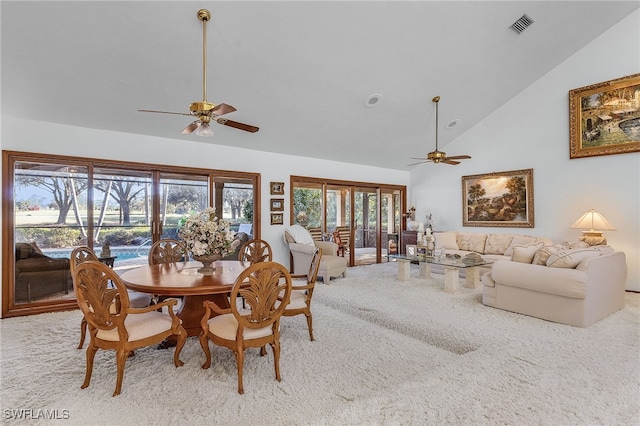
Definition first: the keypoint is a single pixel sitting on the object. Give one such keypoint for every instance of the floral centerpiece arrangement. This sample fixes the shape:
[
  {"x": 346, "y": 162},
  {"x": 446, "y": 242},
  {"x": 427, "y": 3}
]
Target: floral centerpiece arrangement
[{"x": 206, "y": 237}]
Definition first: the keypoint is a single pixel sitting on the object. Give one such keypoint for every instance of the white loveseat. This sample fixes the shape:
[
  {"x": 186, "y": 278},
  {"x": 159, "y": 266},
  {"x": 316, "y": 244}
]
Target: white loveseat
[
  {"x": 575, "y": 286},
  {"x": 569, "y": 283},
  {"x": 302, "y": 246}
]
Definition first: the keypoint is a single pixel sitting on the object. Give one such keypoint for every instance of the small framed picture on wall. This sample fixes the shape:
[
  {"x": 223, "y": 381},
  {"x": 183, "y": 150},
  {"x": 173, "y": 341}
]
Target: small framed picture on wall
[
  {"x": 277, "y": 188},
  {"x": 277, "y": 219},
  {"x": 277, "y": 204}
]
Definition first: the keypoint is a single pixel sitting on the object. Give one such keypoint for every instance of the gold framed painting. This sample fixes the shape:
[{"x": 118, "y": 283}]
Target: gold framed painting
[
  {"x": 502, "y": 199},
  {"x": 277, "y": 204},
  {"x": 277, "y": 219},
  {"x": 277, "y": 188},
  {"x": 604, "y": 118}
]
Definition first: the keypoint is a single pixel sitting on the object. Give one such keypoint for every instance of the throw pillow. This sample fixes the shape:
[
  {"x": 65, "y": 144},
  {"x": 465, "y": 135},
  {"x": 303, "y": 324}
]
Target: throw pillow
[
  {"x": 519, "y": 240},
  {"x": 543, "y": 254},
  {"x": 525, "y": 254},
  {"x": 446, "y": 240},
  {"x": 469, "y": 241},
  {"x": 571, "y": 258},
  {"x": 574, "y": 244},
  {"x": 300, "y": 235},
  {"x": 497, "y": 243}
]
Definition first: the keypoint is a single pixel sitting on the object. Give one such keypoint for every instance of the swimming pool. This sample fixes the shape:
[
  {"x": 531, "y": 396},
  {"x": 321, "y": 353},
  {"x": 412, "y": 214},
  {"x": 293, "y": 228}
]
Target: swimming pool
[{"x": 122, "y": 252}]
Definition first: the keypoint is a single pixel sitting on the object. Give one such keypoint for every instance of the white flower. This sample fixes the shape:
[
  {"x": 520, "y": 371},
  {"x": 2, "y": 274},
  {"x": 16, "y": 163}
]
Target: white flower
[{"x": 203, "y": 233}]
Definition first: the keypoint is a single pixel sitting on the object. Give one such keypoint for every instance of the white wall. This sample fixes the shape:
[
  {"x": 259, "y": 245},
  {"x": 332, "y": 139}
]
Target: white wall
[
  {"x": 532, "y": 131},
  {"x": 74, "y": 141}
]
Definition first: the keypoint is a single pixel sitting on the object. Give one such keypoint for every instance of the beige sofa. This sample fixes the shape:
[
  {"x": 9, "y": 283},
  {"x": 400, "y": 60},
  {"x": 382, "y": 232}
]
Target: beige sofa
[
  {"x": 569, "y": 283},
  {"x": 492, "y": 246},
  {"x": 580, "y": 291}
]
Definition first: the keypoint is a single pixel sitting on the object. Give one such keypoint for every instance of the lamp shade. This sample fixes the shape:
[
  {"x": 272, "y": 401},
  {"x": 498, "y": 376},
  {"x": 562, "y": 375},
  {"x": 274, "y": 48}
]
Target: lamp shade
[{"x": 594, "y": 221}]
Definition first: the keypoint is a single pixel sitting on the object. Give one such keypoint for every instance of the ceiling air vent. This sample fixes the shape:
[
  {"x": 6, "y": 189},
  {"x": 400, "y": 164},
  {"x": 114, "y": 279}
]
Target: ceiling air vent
[{"x": 522, "y": 24}]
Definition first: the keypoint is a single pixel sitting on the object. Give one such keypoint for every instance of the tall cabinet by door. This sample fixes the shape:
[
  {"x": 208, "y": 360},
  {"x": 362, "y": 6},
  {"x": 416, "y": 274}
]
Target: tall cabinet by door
[{"x": 408, "y": 237}]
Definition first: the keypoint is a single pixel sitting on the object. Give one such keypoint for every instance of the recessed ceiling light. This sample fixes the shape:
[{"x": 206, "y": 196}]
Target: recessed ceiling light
[
  {"x": 453, "y": 123},
  {"x": 373, "y": 100}
]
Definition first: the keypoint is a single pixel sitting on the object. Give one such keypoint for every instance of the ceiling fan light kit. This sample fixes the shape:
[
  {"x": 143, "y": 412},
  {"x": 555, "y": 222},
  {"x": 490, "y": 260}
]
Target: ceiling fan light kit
[
  {"x": 440, "y": 156},
  {"x": 204, "y": 110}
]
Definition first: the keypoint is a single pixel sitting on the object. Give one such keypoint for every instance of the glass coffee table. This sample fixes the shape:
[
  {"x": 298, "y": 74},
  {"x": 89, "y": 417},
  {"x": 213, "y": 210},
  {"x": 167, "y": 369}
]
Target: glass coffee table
[{"x": 452, "y": 267}]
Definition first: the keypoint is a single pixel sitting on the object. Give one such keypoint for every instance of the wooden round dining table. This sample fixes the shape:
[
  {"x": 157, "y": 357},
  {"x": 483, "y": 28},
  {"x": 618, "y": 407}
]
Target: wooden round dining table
[{"x": 183, "y": 279}]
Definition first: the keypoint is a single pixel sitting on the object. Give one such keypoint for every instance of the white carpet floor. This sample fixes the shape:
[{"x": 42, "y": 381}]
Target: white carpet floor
[{"x": 386, "y": 352}]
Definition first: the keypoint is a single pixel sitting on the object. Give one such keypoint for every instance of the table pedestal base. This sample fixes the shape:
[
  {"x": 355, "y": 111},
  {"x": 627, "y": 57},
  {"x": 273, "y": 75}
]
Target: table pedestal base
[
  {"x": 192, "y": 310},
  {"x": 473, "y": 277},
  {"x": 451, "y": 280},
  {"x": 404, "y": 270}
]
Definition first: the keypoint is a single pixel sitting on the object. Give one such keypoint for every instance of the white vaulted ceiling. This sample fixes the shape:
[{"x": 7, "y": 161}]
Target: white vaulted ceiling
[{"x": 301, "y": 71}]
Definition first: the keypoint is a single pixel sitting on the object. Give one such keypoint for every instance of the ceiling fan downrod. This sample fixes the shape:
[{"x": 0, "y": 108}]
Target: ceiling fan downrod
[
  {"x": 436, "y": 99},
  {"x": 200, "y": 108}
]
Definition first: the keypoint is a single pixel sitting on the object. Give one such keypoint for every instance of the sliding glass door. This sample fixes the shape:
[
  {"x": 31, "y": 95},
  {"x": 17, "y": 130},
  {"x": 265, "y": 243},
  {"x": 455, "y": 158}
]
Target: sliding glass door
[
  {"x": 364, "y": 215},
  {"x": 53, "y": 204}
]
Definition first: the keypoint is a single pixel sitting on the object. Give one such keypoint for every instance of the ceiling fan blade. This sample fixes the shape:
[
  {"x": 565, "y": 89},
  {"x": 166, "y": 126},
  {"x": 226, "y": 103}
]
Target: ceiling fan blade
[
  {"x": 190, "y": 128},
  {"x": 448, "y": 161},
  {"x": 458, "y": 157},
  {"x": 417, "y": 158},
  {"x": 162, "y": 112},
  {"x": 420, "y": 162},
  {"x": 222, "y": 109},
  {"x": 235, "y": 124}
]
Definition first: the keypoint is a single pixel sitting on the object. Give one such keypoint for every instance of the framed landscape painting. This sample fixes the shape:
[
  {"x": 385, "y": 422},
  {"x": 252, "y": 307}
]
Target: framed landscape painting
[
  {"x": 604, "y": 118},
  {"x": 502, "y": 199}
]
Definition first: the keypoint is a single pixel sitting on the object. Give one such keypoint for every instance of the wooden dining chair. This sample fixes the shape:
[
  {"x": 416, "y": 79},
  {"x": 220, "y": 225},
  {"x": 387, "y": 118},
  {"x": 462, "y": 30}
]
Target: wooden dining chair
[
  {"x": 261, "y": 285},
  {"x": 98, "y": 288},
  {"x": 82, "y": 254},
  {"x": 167, "y": 250},
  {"x": 302, "y": 291},
  {"x": 79, "y": 255},
  {"x": 254, "y": 251},
  {"x": 338, "y": 241}
]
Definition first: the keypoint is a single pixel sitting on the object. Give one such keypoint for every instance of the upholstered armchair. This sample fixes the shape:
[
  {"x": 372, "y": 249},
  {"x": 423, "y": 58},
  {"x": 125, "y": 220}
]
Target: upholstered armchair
[{"x": 302, "y": 247}]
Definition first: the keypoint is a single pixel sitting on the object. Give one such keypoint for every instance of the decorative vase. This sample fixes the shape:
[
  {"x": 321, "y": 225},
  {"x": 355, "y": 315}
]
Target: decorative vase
[
  {"x": 207, "y": 261},
  {"x": 412, "y": 225}
]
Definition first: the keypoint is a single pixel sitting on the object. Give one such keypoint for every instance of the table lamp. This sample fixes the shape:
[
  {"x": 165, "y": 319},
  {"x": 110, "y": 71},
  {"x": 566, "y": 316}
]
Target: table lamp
[{"x": 595, "y": 223}]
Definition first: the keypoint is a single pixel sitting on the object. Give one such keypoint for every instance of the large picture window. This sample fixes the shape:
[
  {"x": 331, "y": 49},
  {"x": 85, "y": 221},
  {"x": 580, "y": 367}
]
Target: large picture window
[{"x": 52, "y": 204}]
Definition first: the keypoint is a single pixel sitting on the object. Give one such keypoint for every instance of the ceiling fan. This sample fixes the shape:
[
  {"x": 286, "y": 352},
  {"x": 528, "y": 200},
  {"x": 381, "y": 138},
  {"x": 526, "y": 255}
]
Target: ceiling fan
[
  {"x": 439, "y": 156},
  {"x": 205, "y": 111}
]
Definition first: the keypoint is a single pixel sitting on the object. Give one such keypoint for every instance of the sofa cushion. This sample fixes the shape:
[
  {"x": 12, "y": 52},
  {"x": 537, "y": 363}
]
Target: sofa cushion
[
  {"x": 525, "y": 254},
  {"x": 570, "y": 258},
  {"x": 519, "y": 240},
  {"x": 471, "y": 241},
  {"x": 497, "y": 243},
  {"x": 446, "y": 240}
]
